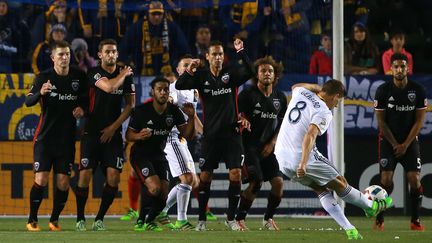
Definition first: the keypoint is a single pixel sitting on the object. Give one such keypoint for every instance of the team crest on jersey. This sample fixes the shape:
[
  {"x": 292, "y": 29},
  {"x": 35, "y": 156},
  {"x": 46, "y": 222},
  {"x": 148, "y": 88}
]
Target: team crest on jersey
[
  {"x": 276, "y": 104},
  {"x": 75, "y": 85},
  {"x": 36, "y": 166},
  {"x": 84, "y": 162},
  {"x": 384, "y": 162},
  {"x": 225, "y": 78},
  {"x": 323, "y": 123},
  {"x": 169, "y": 120},
  {"x": 145, "y": 172},
  {"x": 411, "y": 97},
  {"x": 97, "y": 76}
]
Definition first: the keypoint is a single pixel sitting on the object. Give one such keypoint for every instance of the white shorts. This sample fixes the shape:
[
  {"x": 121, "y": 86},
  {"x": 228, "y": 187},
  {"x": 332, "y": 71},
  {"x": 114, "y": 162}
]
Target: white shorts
[
  {"x": 179, "y": 158},
  {"x": 319, "y": 170}
]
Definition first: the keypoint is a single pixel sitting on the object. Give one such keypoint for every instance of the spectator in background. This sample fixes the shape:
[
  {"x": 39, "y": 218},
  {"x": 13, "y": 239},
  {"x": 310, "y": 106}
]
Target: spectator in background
[
  {"x": 8, "y": 47},
  {"x": 153, "y": 44},
  {"x": 355, "y": 11},
  {"x": 397, "y": 41},
  {"x": 56, "y": 14},
  {"x": 202, "y": 41},
  {"x": 361, "y": 53},
  {"x": 321, "y": 62},
  {"x": 81, "y": 56},
  {"x": 42, "y": 54}
]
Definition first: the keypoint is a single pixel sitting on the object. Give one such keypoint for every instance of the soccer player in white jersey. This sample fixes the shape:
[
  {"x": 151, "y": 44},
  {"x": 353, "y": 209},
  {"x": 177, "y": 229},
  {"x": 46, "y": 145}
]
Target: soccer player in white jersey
[
  {"x": 179, "y": 158},
  {"x": 308, "y": 116}
]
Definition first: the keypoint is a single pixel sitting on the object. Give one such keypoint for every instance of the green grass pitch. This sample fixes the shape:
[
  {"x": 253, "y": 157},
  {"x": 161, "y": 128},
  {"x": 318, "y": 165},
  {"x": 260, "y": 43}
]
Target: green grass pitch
[{"x": 292, "y": 230}]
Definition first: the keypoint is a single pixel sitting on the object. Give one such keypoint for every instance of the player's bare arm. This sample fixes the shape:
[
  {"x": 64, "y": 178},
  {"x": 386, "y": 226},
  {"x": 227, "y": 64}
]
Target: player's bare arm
[
  {"x": 244, "y": 123},
  {"x": 108, "y": 132},
  {"x": 133, "y": 136},
  {"x": 269, "y": 147},
  {"x": 400, "y": 149},
  {"x": 110, "y": 85},
  {"x": 312, "y": 87},
  {"x": 187, "y": 130},
  {"x": 385, "y": 130},
  {"x": 307, "y": 145}
]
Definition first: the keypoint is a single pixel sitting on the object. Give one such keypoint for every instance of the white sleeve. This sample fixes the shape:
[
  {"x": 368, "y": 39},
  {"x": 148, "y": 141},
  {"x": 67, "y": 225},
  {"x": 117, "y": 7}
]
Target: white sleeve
[
  {"x": 173, "y": 92},
  {"x": 322, "y": 120}
]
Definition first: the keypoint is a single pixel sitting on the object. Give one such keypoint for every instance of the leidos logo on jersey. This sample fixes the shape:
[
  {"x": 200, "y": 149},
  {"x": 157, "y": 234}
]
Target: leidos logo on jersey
[
  {"x": 221, "y": 91},
  {"x": 64, "y": 96}
]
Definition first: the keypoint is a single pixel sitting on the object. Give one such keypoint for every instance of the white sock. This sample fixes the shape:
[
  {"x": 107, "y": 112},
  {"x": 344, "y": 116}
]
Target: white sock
[
  {"x": 183, "y": 195},
  {"x": 354, "y": 196},
  {"x": 330, "y": 204},
  {"x": 171, "y": 199}
]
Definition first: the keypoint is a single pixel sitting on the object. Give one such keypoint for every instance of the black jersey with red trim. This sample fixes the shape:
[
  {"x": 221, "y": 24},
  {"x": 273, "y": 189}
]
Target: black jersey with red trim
[
  {"x": 145, "y": 116},
  {"x": 105, "y": 108},
  {"x": 264, "y": 113},
  {"x": 219, "y": 95},
  {"x": 57, "y": 125},
  {"x": 400, "y": 106}
]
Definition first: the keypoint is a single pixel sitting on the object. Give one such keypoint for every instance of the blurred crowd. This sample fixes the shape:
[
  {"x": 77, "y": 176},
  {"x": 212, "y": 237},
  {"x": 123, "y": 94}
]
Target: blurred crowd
[{"x": 153, "y": 35}]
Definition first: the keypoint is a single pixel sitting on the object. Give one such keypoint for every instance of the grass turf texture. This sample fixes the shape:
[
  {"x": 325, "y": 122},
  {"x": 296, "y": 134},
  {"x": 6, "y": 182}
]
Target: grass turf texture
[{"x": 292, "y": 230}]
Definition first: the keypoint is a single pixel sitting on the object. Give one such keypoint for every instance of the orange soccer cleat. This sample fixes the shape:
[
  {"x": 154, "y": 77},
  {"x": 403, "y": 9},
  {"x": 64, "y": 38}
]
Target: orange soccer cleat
[
  {"x": 33, "y": 226},
  {"x": 54, "y": 226},
  {"x": 417, "y": 226}
]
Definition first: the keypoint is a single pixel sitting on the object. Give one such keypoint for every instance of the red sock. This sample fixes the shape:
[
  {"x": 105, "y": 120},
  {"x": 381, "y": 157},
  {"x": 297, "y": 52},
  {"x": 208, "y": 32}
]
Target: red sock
[{"x": 134, "y": 188}]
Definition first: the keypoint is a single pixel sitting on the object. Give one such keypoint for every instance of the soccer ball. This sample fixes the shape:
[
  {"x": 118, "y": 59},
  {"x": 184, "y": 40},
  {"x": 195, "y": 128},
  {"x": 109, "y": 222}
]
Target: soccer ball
[{"x": 375, "y": 192}]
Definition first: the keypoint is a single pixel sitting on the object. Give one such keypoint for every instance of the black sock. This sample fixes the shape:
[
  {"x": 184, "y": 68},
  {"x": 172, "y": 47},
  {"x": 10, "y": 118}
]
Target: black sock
[
  {"x": 416, "y": 196},
  {"x": 233, "y": 198},
  {"x": 81, "y": 200},
  {"x": 60, "y": 199},
  {"x": 272, "y": 204},
  {"x": 108, "y": 195},
  {"x": 245, "y": 205},
  {"x": 145, "y": 204},
  {"x": 157, "y": 204},
  {"x": 36, "y": 196},
  {"x": 203, "y": 197},
  {"x": 380, "y": 216}
]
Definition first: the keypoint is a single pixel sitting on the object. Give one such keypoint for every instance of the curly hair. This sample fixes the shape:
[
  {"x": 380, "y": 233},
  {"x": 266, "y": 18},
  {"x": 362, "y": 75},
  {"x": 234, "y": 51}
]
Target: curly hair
[{"x": 278, "y": 67}]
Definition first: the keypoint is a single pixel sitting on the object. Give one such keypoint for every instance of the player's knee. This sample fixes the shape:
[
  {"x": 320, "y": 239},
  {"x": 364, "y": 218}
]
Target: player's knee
[
  {"x": 63, "y": 182},
  {"x": 277, "y": 184},
  {"x": 41, "y": 181},
  {"x": 235, "y": 174},
  {"x": 186, "y": 178},
  {"x": 154, "y": 191},
  {"x": 84, "y": 178},
  {"x": 256, "y": 186},
  {"x": 205, "y": 177}
]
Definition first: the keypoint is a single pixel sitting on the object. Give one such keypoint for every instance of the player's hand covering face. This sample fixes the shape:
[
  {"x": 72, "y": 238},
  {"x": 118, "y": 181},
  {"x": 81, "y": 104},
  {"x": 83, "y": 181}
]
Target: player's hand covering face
[
  {"x": 399, "y": 69},
  {"x": 161, "y": 92},
  {"x": 61, "y": 57},
  {"x": 108, "y": 55}
]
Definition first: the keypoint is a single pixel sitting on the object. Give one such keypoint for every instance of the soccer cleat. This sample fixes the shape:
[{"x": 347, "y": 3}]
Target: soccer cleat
[
  {"x": 131, "y": 214},
  {"x": 242, "y": 225},
  {"x": 353, "y": 234},
  {"x": 54, "y": 226},
  {"x": 139, "y": 226},
  {"x": 378, "y": 226},
  {"x": 152, "y": 226},
  {"x": 201, "y": 226},
  {"x": 378, "y": 206},
  {"x": 270, "y": 224},
  {"x": 210, "y": 216},
  {"x": 80, "y": 226},
  {"x": 232, "y": 225},
  {"x": 417, "y": 226},
  {"x": 98, "y": 225},
  {"x": 33, "y": 226},
  {"x": 183, "y": 225},
  {"x": 164, "y": 220}
]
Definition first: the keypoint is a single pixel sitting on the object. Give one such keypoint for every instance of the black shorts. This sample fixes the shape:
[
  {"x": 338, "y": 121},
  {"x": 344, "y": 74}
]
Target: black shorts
[
  {"x": 94, "y": 153},
  {"x": 410, "y": 160},
  {"x": 60, "y": 158},
  {"x": 229, "y": 150},
  {"x": 259, "y": 168},
  {"x": 146, "y": 167}
]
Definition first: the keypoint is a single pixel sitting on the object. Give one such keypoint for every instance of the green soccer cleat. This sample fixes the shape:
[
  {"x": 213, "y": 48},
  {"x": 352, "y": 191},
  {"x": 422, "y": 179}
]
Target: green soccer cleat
[
  {"x": 183, "y": 225},
  {"x": 152, "y": 226},
  {"x": 378, "y": 206},
  {"x": 131, "y": 214},
  {"x": 139, "y": 226},
  {"x": 164, "y": 220},
  {"x": 210, "y": 216},
  {"x": 353, "y": 234},
  {"x": 99, "y": 225},
  {"x": 80, "y": 226}
]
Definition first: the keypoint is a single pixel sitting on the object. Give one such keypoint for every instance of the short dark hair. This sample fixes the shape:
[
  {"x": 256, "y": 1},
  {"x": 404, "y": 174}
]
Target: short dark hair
[
  {"x": 159, "y": 79},
  {"x": 278, "y": 66},
  {"x": 398, "y": 56},
  {"x": 106, "y": 42},
  {"x": 333, "y": 87},
  {"x": 215, "y": 43},
  {"x": 60, "y": 44},
  {"x": 396, "y": 34},
  {"x": 186, "y": 56}
]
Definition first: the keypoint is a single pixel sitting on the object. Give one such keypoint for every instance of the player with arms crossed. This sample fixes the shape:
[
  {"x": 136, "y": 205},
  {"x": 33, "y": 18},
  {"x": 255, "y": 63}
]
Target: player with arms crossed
[
  {"x": 309, "y": 115},
  {"x": 217, "y": 87},
  {"x": 264, "y": 106},
  {"x": 149, "y": 127},
  {"x": 102, "y": 142},
  {"x": 400, "y": 108},
  {"x": 60, "y": 91}
]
